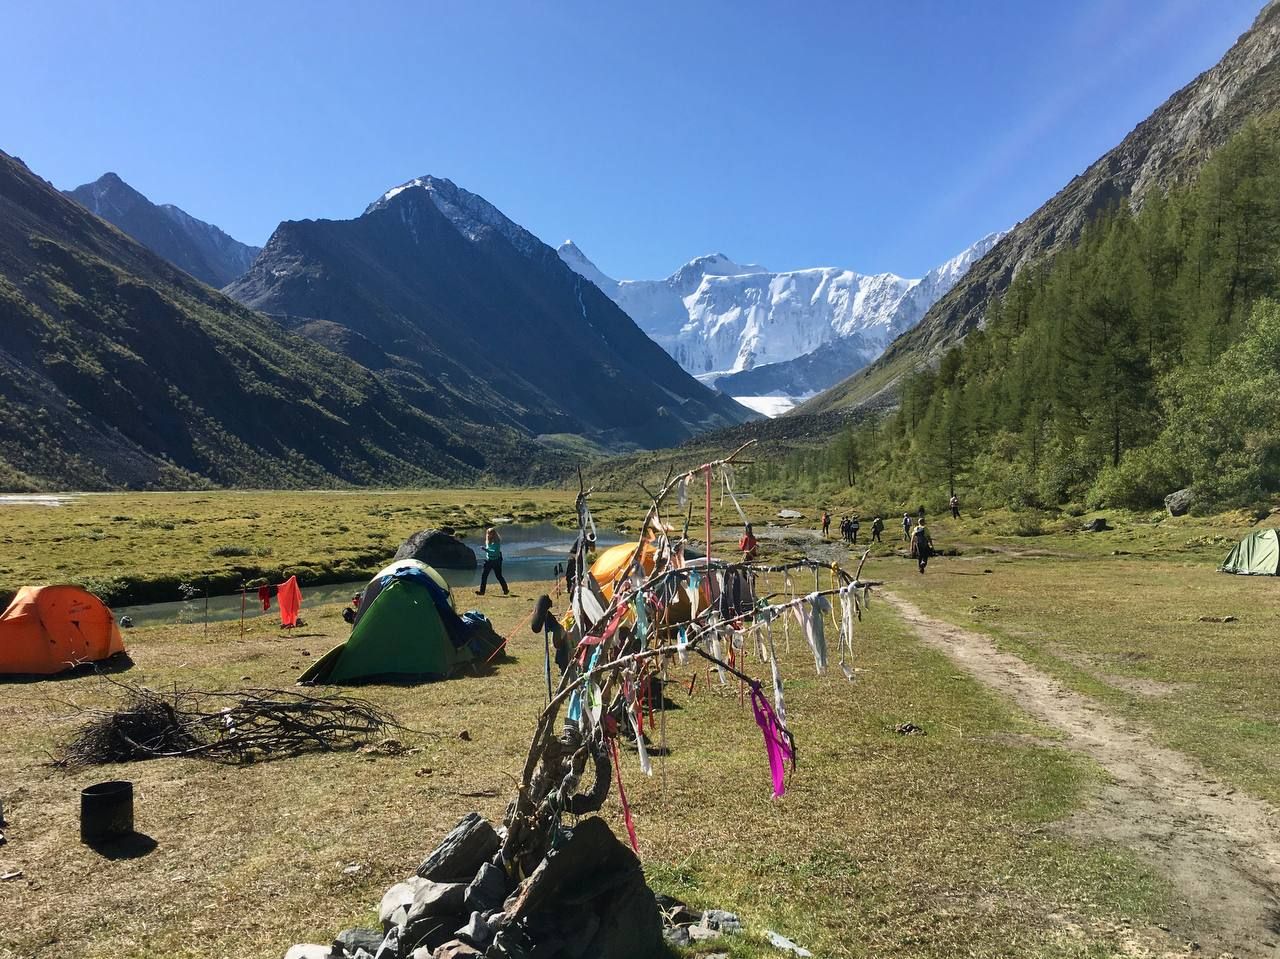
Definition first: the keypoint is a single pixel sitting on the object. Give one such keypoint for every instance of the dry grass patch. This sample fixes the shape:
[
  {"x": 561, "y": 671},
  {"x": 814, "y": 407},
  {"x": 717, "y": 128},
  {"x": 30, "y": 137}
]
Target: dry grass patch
[{"x": 885, "y": 845}]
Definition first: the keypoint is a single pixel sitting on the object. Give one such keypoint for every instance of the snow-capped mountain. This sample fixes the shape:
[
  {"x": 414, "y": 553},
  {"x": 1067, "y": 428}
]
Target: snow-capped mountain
[
  {"x": 753, "y": 332},
  {"x": 188, "y": 243}
]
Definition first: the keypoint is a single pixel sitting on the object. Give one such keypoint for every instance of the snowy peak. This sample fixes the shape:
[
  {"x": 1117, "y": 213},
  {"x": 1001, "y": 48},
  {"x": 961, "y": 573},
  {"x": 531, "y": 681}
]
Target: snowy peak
[
  {"x": 956, "y": 267},
  {"x": 721, "y": 320},
  {"x": 473, "y": 216},
  {"x": 577, "y": 261},
  {"x": 712, "y": 264}
]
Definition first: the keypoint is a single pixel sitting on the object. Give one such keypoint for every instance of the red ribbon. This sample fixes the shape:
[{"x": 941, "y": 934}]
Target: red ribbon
[{"x": 622, "y": 795}]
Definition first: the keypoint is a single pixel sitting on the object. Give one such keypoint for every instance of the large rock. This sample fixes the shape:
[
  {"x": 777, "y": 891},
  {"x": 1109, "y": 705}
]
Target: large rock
[
  {"x": 1179, "y": 503},
  {"x": 307, "y": 950},
  {"x": 604, "y": 882},
  {"x": 350, "y": 941},
  {"x": 397, "y": 900},
  {"x": 487, "y": 890},
  {"x": 438, "y": 548},
  {"x": 468, "y": 846}
]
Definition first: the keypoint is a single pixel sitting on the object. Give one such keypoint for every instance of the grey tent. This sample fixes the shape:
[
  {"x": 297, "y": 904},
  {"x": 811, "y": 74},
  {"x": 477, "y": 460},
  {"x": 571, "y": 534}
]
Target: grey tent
[{"x": 1258, "y": 554}]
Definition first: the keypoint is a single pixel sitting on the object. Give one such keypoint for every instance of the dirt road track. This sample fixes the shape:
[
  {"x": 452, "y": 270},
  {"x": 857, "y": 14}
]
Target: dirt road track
[{"x": 1220, "y": 848}]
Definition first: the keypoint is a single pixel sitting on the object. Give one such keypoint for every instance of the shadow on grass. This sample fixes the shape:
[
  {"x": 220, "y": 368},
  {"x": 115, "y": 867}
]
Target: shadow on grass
[
  {"x": 118, "y": 663},
  {"x": 133, "y": 846}
]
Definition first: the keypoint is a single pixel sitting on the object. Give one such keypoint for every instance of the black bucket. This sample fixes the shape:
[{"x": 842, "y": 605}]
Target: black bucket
[{"x": 106, "y": 811}]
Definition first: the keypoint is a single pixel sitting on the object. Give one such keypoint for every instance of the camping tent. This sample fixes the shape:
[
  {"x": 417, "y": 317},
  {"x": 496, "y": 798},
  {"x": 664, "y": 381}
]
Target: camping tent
[
  {"x": 48, "y": 629},
  {"x": 1258, "y": 554},
  {"x": 407, "y": 627},
  {"x": 615, "y": 562}
]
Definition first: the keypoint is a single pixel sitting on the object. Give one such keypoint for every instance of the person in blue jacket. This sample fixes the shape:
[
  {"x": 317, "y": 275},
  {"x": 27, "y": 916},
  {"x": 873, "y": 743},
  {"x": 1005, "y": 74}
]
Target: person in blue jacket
[{"x": 492, "y": 562}]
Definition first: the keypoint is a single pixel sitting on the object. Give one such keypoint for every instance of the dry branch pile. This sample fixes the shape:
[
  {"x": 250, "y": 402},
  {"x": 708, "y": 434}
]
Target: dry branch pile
[{"x": 240, "y": 726}]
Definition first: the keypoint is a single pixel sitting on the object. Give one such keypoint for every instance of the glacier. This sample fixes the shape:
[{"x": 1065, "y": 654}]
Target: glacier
[{"x": 771, "y": 338}]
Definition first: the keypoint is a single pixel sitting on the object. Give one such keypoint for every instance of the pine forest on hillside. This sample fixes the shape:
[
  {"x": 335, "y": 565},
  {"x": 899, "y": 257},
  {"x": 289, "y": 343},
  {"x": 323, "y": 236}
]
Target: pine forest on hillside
[{"x": 1143, "y": 360}]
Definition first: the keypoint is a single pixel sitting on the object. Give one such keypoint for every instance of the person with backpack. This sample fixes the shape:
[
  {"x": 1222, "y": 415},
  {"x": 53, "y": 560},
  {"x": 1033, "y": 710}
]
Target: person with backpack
[
  {"x": 877, "y": 527},
  {"x": 906, "y": 527},
  {"x": 921, "y": 546},
  {"x": 955, "y": 506},
  {"x": 854, "y": 525}
]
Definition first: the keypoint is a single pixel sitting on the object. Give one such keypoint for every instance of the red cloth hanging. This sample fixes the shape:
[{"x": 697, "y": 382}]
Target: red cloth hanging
[
  {"x": 264, "y": 595},
  {"x": 290, "y": 597}
]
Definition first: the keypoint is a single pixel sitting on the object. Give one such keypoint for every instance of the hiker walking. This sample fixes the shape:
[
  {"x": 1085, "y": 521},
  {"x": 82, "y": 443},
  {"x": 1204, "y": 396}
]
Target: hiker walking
[
  {"x": 854, "y": 526},
  {"x": 826, "y": 523},
  {"x": 921, "y": 546},
  {"x": 492, "y": 561},
  {"x": 906, "y": 527},
  {"x": 748, "y": 544},
  {"x": 844, "y": 528},
  {"x": 877, "y": 527},
  {"x": 955, "y": 506}
]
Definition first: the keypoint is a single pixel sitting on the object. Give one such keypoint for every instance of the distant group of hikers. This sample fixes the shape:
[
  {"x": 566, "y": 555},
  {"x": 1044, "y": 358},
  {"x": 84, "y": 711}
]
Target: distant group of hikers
[{"x": 914, "y": 531}]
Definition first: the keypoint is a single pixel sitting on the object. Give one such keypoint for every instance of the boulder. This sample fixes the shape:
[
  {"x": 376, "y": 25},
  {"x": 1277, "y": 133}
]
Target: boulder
[
  {"x": 603, "y": 882},
  {"x": 349, "y": 941},
  {"x": 455, "y": 950},
  {"x": 487, "y": 890},
  {"x": 476, "y": 932},
  {"x": 307, "y": 950},
  {"x": 438, "y": 548},
  {"x": 469, "y": 845},
  {"x": 437, "y": 899},
  {"x": 398, "y": 898},
  {"x": 1179, "y": 503},
  {"x": 1097, "y": 525}
]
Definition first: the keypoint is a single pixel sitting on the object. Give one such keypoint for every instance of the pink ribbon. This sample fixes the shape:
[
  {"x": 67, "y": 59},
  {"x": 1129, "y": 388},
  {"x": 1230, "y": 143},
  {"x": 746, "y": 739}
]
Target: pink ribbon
[
  {"x": 777, "y": 742},
  {"x": 622, "y": 796}
]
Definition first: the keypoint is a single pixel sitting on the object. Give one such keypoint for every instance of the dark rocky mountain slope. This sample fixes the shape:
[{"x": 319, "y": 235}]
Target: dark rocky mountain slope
[
  {"x": 117, "y": 369},
  {"x": 1168, "y": 147},
  {"x": 190, "y": 244},
  {"x": 446, "y": 295}
]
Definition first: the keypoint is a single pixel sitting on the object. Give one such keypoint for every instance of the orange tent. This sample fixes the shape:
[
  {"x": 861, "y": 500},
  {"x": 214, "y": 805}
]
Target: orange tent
[
  {"x": 615, "y": 562},
  {"x": 48, "y": 629}
]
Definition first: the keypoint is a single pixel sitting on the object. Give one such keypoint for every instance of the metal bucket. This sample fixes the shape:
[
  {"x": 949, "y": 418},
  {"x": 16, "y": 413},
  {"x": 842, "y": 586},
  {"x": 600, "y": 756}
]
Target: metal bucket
[{"x": 106, "y": 811}]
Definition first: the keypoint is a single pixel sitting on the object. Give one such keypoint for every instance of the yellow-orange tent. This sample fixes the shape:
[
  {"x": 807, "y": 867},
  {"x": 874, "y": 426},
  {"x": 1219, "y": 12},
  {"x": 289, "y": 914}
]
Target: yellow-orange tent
[
  {"x": 615, "y": 561},
  {"x": 48, "y": 629}
]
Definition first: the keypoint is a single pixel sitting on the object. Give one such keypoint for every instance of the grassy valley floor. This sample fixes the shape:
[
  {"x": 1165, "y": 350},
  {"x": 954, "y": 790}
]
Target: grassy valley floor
[{"x": 964, "y": 841}]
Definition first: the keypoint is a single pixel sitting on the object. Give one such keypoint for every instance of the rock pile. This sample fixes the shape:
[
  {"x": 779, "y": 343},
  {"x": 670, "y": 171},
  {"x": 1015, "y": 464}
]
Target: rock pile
[{"x": 586, "y": 899}]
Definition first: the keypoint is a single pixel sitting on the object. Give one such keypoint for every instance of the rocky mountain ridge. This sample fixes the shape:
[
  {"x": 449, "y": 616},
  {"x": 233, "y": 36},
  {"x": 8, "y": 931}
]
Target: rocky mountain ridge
[
  {"x": 117, "y": 369},
  {"x": 1167, "y": 147},
  {"x": 190, "y": 244},
  {"x": 439, "y": 288}
]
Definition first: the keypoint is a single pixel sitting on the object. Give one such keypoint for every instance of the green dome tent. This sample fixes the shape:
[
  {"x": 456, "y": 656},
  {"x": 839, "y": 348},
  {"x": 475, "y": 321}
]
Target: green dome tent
[
  {"x": 1258, "y": 554},
  {"x": 407, "y": 627}
]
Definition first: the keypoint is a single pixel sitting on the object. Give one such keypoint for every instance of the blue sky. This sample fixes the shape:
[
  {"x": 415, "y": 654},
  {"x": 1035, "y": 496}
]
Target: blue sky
[{"x": 882, "y": 136}]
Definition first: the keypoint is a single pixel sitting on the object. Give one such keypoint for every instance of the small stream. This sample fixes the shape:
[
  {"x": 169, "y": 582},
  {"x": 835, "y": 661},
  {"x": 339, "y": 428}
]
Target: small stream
[{"x": 529, "y": 552}]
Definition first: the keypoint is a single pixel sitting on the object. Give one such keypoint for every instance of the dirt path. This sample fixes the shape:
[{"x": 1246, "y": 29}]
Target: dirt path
[{"x": 1220, "y": 848}]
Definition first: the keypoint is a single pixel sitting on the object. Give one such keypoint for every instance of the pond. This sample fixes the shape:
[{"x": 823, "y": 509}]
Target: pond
[{"x": 530, "y": 551}]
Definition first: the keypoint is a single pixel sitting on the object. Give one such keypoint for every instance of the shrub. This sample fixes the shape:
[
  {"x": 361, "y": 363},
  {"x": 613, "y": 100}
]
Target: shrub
[{"x": 231, "y": 551}]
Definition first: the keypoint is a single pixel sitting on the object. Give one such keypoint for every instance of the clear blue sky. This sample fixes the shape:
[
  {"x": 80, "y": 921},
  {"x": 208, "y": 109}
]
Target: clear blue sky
[{"x": 875, "y": 136}]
